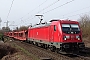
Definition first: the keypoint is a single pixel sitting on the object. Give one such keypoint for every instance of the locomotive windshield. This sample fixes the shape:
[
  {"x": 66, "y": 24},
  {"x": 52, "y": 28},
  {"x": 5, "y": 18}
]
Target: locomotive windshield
[{"x": 70, "y": 28}]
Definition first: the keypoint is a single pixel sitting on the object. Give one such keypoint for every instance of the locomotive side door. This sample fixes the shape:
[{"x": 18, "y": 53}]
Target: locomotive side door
[{"x": 51, "y": 33}]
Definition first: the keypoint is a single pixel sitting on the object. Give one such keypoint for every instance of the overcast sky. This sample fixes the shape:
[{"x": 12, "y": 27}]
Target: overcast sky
[{"x": 23, "y": 11}]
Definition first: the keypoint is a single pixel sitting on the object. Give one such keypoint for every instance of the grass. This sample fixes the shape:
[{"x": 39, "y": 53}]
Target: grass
[
  {"x": 6, "y": 39},
  {"x": 26, "y": 52}
]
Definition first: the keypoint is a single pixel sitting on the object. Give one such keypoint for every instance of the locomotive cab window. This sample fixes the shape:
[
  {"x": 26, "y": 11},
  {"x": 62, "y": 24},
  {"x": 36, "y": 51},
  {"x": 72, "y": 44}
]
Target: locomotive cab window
[
  {"x": 70, "y": 28},
  {"x": 54, "y": 27}
]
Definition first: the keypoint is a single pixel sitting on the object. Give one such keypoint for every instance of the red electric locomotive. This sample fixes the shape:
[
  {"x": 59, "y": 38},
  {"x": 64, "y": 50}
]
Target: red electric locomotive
[{"x": 59, "y": 35}]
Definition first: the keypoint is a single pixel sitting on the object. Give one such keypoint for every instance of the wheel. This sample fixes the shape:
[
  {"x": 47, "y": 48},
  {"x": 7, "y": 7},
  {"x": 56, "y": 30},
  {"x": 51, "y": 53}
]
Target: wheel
[
  {"x": 53, "y": 48},
  {"x": 45, "y": 46},
  {"x": 58, "y": 50}
]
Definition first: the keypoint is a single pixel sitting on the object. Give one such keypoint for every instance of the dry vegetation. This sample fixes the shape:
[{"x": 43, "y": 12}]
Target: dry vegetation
[
  {"x": 85, "y": 26},
  {"x": 6, "y": 50},
  {"x": 10, "y": 51}
]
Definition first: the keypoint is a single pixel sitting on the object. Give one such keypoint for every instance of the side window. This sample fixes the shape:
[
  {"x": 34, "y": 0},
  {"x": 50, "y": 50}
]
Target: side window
[{"x": 54, "y": 27}]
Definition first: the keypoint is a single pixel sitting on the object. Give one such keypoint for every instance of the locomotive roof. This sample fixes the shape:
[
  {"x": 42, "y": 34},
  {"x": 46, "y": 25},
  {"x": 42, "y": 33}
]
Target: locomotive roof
[
  {"x": 41, "y": 25},
  {"x": 65, "y": 21},
  {"x": 47, "y": 24}
]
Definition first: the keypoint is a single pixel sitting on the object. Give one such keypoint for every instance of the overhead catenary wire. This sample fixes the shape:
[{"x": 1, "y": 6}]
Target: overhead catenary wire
[
  {"x": 34, "y": 9},
  {"x": 10, "y": 10},
  {"x": 77, "y": 14},
  {"x": 48, "y": 6},
  {"x": 30, "y": 19},
  {"x": 76, "y": 11},
  {"x": 23, "y": 21},
  {"x": 59, "y": 6}
]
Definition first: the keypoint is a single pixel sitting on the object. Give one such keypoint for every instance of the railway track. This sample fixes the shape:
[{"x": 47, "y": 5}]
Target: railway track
[
  {"x": 83, "y": 57},
  {"x": 78, "y": 57},
  {"x": 43, "y": 53}
]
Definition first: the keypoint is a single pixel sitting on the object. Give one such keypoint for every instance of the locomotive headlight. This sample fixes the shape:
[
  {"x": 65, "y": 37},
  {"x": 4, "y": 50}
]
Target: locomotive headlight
[
  {"x": 78, "y": 37},
  {"x": 66, "y": 37}
]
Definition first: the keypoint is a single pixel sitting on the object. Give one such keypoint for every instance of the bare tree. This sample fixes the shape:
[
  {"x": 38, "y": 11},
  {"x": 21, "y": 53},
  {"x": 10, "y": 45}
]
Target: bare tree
[
  {"x": 23, "y": 28},
  {"x": 85, "y": 25},
  {"x": 84, "y": 20}
]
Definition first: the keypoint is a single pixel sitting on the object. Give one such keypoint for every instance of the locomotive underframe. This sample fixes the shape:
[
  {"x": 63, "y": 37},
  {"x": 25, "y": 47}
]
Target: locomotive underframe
[
  {"x": 72, "y": 47},
  {"x": 62, "y": 47}
]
